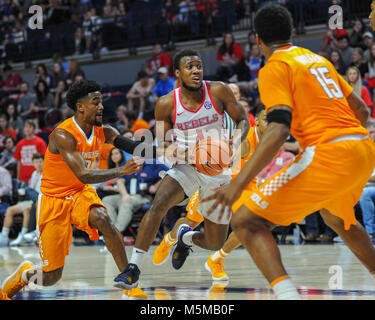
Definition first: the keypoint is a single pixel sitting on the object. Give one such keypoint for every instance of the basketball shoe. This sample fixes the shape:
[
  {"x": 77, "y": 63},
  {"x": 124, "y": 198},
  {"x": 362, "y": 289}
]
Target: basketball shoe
[
  {"x": 163, "y": 251},
  {"x": 216, "y": 268},
  {"x": 16, "y": 281},
  {"x": 217, "y": 290},
  {"x": 181, "y": 250},
  {"x": 3, "y": 296},
  {"x": 135, "y": 294},
  {"x": 128, "y": 279}
]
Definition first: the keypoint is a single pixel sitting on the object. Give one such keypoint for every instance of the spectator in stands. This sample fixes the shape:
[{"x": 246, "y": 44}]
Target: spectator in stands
[
  {"x": 15, "y": 121},
  {"x": 5, "y": 129},
  {"x": 359, "y": 61},
  {"x": 12, "y": 82},
  {"x": 366, "y": 202},
  {"x": 345, "y": 50},
  {"x": 139, "y": 94},
  {"x": 77, "y": 10},
  {"x": 355, "y": 80},
  {"x": 42, "y": 74},
  {"x": 74, "y": 70},
  {"x": 6, "y": 156},
  {"x": 237, "y": 94},
  {"x": 230, "y": 58},
  {"x": 188, "y": 14},
  {"x": 134, "y": 191},
  {"x": 58, "y": 74},
  {"x": 330, "y": 40},
  {"x": 336, "y": 59},
  {"x": 254, "y": 62},
  {"x": 91, "y": 26},
  {"x": 26, "y": 148},
  {"x": 368, "y": 40},
  {"x": 158, "y": 60},
  {"x": 24, "y": 206},
  {"x": 44, "y": 101},
  {"x": 15, "y": 41},
  {"x": 313, "y": 221},
  {"x": 356, "y": 36},
  {"x": 80, "y": 41},
  {"x": 60, "y": 95},
  {"x": 122, "y": 122},
  {"x": 114, "y": 159},
  {"x": 27, "y": 101},
  {"x": 246, "y": 105},
  {"x": 251, "y": 39},
  {"x": 370, "y": 77},
  {"x": 5, "y": 190},
  {"x": 165, "y": 84}
]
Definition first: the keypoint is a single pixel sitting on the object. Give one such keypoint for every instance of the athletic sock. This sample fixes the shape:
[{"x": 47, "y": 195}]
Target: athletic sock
[
  {"x": 169, "y": 240},
  {"x": 24, "y": 231},
  {"x": 220, "y": 254},
  {"x": 5, "y": 232},
  {"x": 137, "y": 257},
  {"x": 284, "y": 289}
]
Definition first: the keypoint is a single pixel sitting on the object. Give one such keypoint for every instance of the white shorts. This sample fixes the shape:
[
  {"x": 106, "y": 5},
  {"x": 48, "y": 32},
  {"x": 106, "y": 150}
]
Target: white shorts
[{"x": 192, "y": 180}]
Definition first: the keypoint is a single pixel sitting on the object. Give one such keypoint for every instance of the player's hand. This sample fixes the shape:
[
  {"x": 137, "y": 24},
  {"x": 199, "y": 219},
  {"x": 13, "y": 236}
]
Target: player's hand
[
  {"x": 224, "y": 196},
  {"x": 133, "y": 165}
]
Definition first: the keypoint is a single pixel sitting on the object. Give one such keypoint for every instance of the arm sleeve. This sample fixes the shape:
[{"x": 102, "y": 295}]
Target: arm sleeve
[{"x": 275, "y": 85}]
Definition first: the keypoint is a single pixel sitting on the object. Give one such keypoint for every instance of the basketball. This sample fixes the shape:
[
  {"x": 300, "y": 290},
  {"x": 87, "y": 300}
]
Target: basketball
[{"x": 212, "y": 156}]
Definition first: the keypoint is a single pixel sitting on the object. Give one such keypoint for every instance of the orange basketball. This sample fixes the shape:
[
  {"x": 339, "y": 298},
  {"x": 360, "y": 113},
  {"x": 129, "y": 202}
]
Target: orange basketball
[{"x": 212, "y": 156}]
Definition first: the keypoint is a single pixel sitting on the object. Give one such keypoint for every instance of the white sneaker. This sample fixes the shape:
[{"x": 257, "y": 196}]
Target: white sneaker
[
  {"x": 338, "y": 239},
  {"x": 19, "y": 241},
  {"x": 3, "y": 241},
  {"x": 30, "y": 237}
]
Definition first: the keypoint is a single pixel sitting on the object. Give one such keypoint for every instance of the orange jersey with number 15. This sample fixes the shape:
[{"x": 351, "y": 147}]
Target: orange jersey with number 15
[
  {"x": 320, "y": 111},
  {"x": 58, "y": 179}
]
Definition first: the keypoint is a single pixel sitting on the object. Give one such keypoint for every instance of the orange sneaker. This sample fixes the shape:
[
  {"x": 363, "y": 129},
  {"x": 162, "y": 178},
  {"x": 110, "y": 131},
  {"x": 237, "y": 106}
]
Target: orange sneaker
[
  {"x": 161, "y": 294},
  {"x": 217, "y": 290},
  {"x": 163, "y": 251},
  {"x": 3, "y": 296},
  {"x": 14, "y": 283},
  {"x": 135, "y": 293},
  {"x": 216, "y": 268}
]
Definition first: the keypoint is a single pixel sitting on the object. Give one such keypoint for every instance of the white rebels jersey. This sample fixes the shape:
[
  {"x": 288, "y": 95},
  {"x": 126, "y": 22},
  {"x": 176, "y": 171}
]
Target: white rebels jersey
[{"x": 190, "y": 126}]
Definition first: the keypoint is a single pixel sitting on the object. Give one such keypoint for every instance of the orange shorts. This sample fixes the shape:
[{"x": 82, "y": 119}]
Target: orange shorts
[
  {"x": 55, "y": 217},
  {"x": 328, "y": 176}
]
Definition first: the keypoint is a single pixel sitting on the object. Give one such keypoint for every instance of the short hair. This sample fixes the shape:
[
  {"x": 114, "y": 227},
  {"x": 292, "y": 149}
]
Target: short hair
[
  {"x": 80, "y": 89},
  {"x": 142, "y": 74},
  {"x": 181, "y": 54},
  {"x": 273, "y": 23},
  {"x": 37, "y": 156},
  {"x": 30, "y": 122}
]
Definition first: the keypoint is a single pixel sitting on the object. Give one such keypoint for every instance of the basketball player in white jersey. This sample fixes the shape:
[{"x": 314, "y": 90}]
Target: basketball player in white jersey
[{"x": 191, "y": 111}]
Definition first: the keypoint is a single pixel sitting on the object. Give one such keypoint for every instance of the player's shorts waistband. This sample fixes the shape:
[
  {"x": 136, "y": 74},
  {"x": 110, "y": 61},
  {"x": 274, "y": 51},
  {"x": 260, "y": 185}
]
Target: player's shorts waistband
[{"x": 349, "y": 137}]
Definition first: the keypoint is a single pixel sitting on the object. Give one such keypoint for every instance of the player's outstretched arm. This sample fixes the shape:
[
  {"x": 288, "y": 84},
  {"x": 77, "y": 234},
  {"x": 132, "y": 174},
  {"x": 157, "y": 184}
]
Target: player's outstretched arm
[
  {"x": 64, "y": 143},
  {"x": 359, "y": 108}
]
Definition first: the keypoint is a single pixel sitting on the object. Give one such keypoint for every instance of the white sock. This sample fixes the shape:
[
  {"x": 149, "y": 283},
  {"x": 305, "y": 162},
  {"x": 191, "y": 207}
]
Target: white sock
[
  {"x": 137, "y": 257},
  {"x": 285, "y": 290},
  {"x": 219, "y": 254},
  {"x": 187, "y": 238},
  {"x": 169, "y": 240},
  {"x": 5, "y": 232},
  {"x": 24, "y": 231}
]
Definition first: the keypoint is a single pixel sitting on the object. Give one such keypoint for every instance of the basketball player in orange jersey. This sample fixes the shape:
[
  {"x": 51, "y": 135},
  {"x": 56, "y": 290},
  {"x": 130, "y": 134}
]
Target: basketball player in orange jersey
[
  {"x": 192, "y": 111},
  {"x": 303, "y": 95},
  {"x": 193, "y": 218},
  {"x": 66, "y": 196}
]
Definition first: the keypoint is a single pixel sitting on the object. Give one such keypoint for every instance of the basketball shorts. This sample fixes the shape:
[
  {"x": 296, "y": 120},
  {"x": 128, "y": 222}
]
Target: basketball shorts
[
  {"x": 55, "y": 217},
  {"x": 192, "y": 180},
  {"x": 328, "y": 176}
]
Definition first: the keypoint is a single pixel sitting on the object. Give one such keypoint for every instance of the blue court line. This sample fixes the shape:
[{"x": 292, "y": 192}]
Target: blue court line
[{"x": 48, "y": 294}]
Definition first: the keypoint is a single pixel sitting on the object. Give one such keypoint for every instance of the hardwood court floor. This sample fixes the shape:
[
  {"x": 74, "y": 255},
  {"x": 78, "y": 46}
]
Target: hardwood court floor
[{"x": 90, "y": 270}]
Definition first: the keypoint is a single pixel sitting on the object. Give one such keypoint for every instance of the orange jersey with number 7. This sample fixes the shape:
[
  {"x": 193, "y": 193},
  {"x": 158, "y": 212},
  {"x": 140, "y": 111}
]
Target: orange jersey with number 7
[
  {"x": 320, "y": 110},
  {"x": 58, "y": 179}
]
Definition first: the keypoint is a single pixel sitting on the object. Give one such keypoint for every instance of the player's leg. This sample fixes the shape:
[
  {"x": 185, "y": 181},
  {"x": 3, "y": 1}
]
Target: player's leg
[
  {"x": 356, "y": 238},
  {"x": 255, "y": 234},
  {"x": 99, "y": 219},
  {"x": 8, "y": 221},
  {"x": 25, "y": 224},
  {"x": 214, "y": 263},
  {"x": 168, "y": 195}
]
